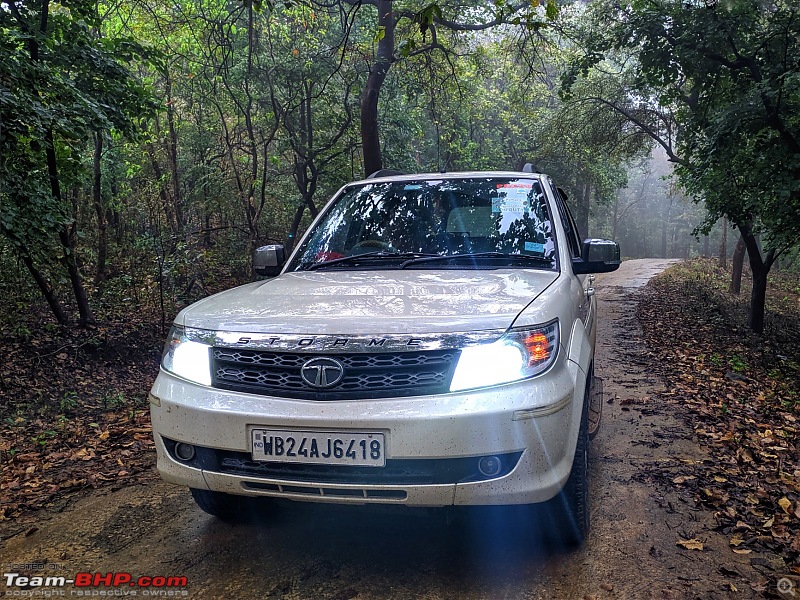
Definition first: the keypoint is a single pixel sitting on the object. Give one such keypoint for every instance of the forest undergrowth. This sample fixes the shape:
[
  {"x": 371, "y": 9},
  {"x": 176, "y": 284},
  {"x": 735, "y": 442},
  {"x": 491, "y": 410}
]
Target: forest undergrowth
[{"x": 73, "y": 400}]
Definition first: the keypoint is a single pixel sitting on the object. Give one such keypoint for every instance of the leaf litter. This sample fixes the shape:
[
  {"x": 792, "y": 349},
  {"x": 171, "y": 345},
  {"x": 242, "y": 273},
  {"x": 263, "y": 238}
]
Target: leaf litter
[
  {"x": 739, "y": 393},
  {"x": 74, "y": 412}
]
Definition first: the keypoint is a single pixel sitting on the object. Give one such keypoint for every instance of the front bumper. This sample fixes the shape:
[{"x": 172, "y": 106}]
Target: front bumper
[{"x": 532, "y": 425}]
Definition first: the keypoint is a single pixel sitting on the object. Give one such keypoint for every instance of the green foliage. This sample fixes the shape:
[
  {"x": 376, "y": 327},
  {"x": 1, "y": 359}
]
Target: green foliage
[
  {"x": 737, "y": 363},
  {"x": 60, "y": 82},
  {"x": 44, "y": 437},
  {"x": 224, "y": 123},
  {"x": 68, "y": 401},
  {"x": 114, "y": 401},
  {"x": 728, "y": 73},
  {"x": 426, "y": 16}
]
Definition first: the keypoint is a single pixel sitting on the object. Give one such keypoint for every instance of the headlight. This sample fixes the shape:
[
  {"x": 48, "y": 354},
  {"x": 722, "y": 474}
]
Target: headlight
[
  {"x": 519, "y": 354},
  {"x": 187, "y": 358}
]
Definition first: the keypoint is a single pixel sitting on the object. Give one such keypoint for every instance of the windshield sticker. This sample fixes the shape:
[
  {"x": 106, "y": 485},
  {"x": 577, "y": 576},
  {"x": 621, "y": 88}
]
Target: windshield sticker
[
  {"x": 534, "y": 247},
  {"x": 413, "y": 186},
  {"x": 511, "y": 200}
]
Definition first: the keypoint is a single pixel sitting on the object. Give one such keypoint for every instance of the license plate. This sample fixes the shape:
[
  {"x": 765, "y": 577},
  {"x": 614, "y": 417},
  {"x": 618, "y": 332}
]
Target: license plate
[{"x": 319, "y": 447}]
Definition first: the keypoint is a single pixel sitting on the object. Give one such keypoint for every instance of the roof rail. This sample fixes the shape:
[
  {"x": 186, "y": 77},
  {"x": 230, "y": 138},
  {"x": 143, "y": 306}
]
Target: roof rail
[
  {"x": 529, "y": 168},
  {"x": 384, "y": 173}
]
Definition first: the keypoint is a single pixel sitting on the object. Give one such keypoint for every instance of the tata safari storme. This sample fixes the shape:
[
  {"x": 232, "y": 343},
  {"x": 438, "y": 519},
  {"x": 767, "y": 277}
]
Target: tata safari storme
[{"x": 428, "y": 343}]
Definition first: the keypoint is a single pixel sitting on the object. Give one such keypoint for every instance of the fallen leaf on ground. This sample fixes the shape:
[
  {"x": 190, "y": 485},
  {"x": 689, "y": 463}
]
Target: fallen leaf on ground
[
  {"x": 683, "y": 479},
  {"x": 692, "y": 544},
  {"x": 786, "y": 505}
]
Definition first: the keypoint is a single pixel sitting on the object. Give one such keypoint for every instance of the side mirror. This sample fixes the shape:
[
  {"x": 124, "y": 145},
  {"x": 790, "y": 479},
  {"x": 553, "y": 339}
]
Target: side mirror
[
  {"x": 268, "y": 260},
  {"x": 597, "y": 256}
]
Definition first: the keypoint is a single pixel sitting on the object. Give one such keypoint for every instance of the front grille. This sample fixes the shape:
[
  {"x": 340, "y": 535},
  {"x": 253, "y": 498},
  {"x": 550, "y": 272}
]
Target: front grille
[{"x": 381, "y": 375}]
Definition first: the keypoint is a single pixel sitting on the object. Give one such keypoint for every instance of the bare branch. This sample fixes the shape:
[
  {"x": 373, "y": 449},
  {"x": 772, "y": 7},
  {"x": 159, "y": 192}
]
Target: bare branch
[
  {"x": 654, "y": 135},
  {"x": 454, "y": 26}
]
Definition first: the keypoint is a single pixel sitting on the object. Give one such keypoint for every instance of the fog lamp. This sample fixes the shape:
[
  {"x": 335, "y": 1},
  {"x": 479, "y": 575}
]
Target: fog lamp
[
  {"x": 490, "y": 466},
  {"x": 184, "y": 452}
]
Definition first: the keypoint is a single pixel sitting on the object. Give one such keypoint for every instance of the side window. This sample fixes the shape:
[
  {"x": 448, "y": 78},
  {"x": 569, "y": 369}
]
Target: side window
[{"x": 573, "y": 237}]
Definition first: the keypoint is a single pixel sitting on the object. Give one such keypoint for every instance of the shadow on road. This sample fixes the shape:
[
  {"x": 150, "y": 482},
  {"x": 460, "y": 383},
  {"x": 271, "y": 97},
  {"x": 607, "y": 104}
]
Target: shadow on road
[{"x": 482, "y": 541}]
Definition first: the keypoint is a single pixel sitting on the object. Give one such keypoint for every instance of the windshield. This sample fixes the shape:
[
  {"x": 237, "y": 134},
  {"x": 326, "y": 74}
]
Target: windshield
[{"x": 486, "y": 219}]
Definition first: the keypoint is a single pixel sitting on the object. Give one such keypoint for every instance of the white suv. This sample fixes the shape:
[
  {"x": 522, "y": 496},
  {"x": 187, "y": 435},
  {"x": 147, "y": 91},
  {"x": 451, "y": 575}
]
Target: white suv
[{"x": 428, "y": 343}]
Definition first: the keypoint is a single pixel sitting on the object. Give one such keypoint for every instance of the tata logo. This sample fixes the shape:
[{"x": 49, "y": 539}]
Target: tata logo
[{"x": 322, "y": 372}]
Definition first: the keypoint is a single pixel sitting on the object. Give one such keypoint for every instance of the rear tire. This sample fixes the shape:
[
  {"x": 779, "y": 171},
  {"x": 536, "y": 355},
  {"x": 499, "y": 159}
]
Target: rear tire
[{"x": 225, "y": 507}]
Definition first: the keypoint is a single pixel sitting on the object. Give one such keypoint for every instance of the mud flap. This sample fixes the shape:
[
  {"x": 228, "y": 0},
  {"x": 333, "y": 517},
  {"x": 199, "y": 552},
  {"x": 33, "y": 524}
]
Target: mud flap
[{"x": 595, "y": 406}]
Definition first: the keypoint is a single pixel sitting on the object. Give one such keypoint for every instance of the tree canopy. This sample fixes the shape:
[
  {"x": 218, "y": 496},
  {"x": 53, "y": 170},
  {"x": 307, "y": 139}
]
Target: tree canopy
[
  {"x": 717, "y": 85},
  {"x": 152, "y": 145}
]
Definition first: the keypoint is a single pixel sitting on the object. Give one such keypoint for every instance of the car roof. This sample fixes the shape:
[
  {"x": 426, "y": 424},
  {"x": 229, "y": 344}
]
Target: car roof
[{"x": 450, "y": 175}]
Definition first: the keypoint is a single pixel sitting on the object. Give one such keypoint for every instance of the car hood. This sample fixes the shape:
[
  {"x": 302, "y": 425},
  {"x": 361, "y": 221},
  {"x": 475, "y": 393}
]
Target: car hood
[{"x": 370, "y": 302}]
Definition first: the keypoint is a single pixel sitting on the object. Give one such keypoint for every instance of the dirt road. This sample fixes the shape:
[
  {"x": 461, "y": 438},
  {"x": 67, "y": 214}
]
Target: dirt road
[{"x": 308, "y": 551}]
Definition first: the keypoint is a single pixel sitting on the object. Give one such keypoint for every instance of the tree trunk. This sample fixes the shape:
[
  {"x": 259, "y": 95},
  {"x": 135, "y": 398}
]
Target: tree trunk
[
  {"x": 97, "y": 200},
  {"x": 172, "y": 152},
  {"x": 737, "y": 266},
  {"x": 67, "y": 238},
  {"x": 370, "y": 139},
  {"x": 760, "y": 266},
  {"x": 582, "y": 212},
  {"x": 723, "y": 246},
  {"x": 291, "y": 238},
  {"x": 169, "y": 209},
  {"x": 758, "y": 297},
  {"x": 71, "y": 263},
  {"x": 47, "y": 291},
  {"x": 614, "y": 217},
  {"x": 207, "y": 242},
  {"x": 52, "y": 172},
  {"x": 252, "y": 144},
  {"x": 706, "y": 246},
  {"x": 664, "y": 222}
]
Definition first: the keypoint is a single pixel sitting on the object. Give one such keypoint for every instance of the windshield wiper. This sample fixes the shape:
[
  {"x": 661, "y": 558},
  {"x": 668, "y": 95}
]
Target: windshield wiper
[
  {"x": 377, "y": 255},
  {"x": 539, "y": 260}
]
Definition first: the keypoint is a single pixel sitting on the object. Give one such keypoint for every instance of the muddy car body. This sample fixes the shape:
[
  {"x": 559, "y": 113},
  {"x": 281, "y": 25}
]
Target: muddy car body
[{"x": 429, "y": 343}]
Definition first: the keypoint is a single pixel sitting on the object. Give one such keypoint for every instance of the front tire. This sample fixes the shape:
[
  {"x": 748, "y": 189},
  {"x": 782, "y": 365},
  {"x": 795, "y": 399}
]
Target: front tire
[
  {"x": 225, "y": 507},
  {"x": 571, "y": 505},
  {"x": 595, "y": 404}
]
